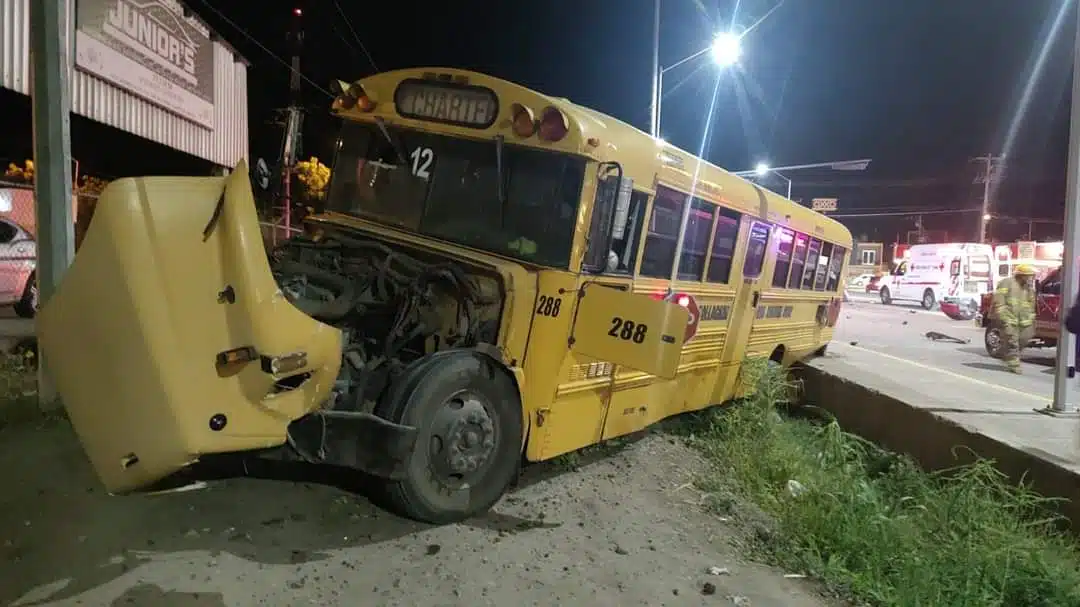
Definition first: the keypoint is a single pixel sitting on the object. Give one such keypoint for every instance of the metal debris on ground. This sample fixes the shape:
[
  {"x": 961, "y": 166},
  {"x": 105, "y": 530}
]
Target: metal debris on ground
[
  {"x": 935, "y": 336},
  {"x": 719, "y": 571}
]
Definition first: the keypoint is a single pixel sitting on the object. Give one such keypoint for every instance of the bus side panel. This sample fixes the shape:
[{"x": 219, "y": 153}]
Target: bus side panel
[{"x": 569, "y": 391}]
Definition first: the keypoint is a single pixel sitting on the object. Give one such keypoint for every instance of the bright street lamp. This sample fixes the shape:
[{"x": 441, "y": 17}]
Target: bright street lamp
[
  {"x": 725, "y": 51},
  {"x": 763, "y": 169}
]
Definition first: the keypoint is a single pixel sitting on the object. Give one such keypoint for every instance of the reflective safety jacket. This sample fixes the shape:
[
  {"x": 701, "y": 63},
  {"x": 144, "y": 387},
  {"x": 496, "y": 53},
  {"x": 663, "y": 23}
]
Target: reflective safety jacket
[{"x": 1014, "y": 304}]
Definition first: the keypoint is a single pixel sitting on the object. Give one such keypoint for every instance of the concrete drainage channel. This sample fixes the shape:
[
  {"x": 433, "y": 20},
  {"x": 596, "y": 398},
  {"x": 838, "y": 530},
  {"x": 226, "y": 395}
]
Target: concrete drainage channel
[{"x": 940, "y": 437}]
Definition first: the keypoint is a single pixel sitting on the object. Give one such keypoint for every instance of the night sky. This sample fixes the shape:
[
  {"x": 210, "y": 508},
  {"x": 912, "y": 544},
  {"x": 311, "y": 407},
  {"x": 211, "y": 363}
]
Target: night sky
[{"x": 919, "y": 86}]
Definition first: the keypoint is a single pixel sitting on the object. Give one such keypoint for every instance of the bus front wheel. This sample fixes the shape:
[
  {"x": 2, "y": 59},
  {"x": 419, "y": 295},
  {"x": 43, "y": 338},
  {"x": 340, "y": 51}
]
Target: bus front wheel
[{"x": 468, "y": 416}]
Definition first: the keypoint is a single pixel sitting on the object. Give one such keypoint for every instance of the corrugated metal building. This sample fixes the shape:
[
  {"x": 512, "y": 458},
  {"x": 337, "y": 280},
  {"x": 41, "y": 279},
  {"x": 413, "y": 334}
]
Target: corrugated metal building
[{"x": 123, "y": 54}]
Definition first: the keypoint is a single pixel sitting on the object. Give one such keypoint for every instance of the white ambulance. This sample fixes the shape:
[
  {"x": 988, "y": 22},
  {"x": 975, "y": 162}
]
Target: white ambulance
[{"x": 928, "y": 273}]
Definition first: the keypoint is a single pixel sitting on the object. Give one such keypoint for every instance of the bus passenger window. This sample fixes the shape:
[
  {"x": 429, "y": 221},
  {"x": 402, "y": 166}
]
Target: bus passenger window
[
  {"x": 798, "y": 259},
  {"x": 723, "y": 246},
  {"x": 663, "y": 231},
  {"x": 757, "y": 245},
  {"x": 823, "y": 267},
  {"x": 698, "y": 227},
  {"x": 836, "y": 264},
  {"x": 622, "y": 257},
  {"x": 810, "y": 269},
  {"x": 783, "y": 257}
]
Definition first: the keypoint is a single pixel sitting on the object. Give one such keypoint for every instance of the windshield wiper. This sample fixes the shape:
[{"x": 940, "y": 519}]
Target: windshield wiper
[
  {"x": 500, "y": 189},
  {"x": 394, "y": 143}
]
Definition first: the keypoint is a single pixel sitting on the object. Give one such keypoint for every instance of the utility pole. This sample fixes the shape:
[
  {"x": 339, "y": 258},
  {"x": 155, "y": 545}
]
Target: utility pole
[
  {"x": 293, "y": 121},
  {"x": 51, "y": 99},
  {"x": 993, "y": 165}
]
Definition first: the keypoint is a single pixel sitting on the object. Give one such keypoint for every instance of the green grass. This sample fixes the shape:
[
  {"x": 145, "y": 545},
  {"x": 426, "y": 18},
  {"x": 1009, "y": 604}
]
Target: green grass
[{"x": 874, "y": 527}]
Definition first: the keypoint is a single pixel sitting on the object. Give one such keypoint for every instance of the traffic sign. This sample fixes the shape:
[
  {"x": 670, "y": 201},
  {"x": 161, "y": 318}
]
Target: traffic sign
[{"x": 688, "y": 302}]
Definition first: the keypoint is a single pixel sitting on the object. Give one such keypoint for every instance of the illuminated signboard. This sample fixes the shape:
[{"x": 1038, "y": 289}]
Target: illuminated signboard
[{"x": 447, "y": 102}]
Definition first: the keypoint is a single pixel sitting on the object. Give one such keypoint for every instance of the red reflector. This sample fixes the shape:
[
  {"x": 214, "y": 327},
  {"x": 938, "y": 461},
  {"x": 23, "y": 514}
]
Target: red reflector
[{"x": 553, "y": 125}]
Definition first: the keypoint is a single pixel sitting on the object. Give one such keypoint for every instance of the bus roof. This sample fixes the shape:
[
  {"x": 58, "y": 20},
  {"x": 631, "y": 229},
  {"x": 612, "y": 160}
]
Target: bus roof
[{"x": 643, "y": 158}]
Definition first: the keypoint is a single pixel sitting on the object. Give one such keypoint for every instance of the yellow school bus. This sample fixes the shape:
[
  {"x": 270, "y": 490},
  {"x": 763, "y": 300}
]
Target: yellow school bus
[{"x": 497, "y": 276}]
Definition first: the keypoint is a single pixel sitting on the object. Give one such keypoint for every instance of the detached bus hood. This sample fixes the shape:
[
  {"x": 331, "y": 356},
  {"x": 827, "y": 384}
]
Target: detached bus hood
[{"x": 167, "y": 335}]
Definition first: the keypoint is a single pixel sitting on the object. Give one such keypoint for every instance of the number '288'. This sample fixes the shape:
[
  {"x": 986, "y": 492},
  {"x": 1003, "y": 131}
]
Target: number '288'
[{"x": 628, "y": 330}]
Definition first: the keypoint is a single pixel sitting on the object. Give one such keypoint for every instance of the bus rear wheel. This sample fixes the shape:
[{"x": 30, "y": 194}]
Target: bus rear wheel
[{"x": 469, "y": 421}]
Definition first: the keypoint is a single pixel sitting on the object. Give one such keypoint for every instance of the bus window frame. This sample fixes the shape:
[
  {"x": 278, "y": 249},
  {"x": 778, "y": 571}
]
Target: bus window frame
[
  {"x": 648, "y": 231},
  {"x": 807, "y": 282},
  {"x": 730, "y": 217},
  {"x": 709, "y": 209},
  {"x": 781, "y": 230},
  {"x": 822, "y": 274},
  {"x": 801, "y": 261},
  {"x": 833, "y": 278}
]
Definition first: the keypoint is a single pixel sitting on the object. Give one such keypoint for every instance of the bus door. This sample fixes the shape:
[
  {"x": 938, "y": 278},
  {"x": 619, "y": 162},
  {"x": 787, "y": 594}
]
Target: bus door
[
  {"x": 754, "y": 235},
  {"x": 586, "y": 326}
]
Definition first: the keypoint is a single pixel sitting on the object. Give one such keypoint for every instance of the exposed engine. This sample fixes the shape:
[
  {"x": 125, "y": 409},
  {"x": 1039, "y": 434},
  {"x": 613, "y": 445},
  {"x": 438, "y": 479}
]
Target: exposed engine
[{"x": 393, "y": 307}]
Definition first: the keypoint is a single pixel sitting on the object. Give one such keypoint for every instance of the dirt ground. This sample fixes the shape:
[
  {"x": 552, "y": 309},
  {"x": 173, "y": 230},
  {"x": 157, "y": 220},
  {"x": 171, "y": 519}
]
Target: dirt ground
[{"x": 625, "y": 529}]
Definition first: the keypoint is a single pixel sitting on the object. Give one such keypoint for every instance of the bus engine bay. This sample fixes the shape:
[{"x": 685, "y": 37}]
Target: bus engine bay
[{"x": 404, "y": 316}]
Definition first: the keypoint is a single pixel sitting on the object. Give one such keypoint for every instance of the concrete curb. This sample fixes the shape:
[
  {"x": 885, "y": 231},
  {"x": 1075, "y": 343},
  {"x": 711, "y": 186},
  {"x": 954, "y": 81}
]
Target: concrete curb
[{"x": 933, "y": 440}]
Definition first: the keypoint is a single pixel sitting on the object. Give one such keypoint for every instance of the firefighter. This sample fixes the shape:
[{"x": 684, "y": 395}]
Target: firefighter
[{"x": 1014, "y": 313}]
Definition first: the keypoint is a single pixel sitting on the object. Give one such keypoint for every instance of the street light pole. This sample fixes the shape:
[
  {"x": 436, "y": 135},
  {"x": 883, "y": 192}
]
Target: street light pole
[
  {"x": 654, "y": 127},
  {"x": 1065, "y": 401}
]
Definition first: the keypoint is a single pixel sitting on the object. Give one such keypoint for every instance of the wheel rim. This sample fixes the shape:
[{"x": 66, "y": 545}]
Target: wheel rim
[
  {"x": 993, "y": 340},
  {"x": 463, "y": 437},
  {"x": 884, "y": 295},
  {"x": 928, "y": 301},
  {"x": 33, "y": 296}
]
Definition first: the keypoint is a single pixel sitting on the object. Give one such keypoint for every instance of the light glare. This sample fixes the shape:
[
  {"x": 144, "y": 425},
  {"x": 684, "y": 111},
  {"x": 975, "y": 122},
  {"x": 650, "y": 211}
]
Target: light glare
[
  {"x": 726, "y": 49},
  {"x": 761, "y": 169}
]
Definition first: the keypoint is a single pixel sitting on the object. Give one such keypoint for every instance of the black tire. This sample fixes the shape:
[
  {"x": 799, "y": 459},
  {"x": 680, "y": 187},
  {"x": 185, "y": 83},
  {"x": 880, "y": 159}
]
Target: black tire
[
  {"x": 928, "y": 299},
  {"x": 886, "y": 297},
  {"x": 27, "y": 305},
  {"x": 464, "y": 382},
  {"x": 994, "y": 342}
]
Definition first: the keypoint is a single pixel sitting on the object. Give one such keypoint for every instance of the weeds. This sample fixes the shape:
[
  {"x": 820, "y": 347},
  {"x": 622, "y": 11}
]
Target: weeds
[
  {"x": 875, "y": 527},
  {"x": 18, "y": 389}
]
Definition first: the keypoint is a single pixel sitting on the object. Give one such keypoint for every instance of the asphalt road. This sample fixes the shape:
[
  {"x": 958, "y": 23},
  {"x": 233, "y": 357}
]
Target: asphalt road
[{"x": 899, "y": 330}]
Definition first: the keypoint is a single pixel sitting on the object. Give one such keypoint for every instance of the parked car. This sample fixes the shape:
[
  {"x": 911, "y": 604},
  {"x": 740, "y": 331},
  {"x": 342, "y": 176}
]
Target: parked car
[
  {"x": 874, "y": 284},
  {"x": 860, "y": 281},
  {"x": 1047, "y": 304},
  {"x": 18, "y": 260}
]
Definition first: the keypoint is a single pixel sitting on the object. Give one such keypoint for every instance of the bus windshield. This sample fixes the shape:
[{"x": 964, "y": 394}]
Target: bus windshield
[{"x": 448, "y": 188}]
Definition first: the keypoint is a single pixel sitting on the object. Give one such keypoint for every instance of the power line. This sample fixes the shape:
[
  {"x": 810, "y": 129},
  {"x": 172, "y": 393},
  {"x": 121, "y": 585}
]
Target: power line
[
  {"x": 265, "y": 50},
  {"x": 360, "y": 42}
]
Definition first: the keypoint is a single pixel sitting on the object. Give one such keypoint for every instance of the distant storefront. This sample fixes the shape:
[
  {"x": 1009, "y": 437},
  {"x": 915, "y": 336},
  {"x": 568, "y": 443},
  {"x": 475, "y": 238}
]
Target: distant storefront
[{"x": 147, "y": 67}]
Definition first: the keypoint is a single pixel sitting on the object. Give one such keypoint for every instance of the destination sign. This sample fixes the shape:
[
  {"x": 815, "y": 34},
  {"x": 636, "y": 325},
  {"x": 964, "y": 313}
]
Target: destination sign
[{"x": 448, "y": 103}]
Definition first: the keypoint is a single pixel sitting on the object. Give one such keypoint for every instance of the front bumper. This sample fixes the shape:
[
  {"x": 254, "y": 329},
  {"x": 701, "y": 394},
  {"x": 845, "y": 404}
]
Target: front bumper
[{"x": 358, "y": 440}]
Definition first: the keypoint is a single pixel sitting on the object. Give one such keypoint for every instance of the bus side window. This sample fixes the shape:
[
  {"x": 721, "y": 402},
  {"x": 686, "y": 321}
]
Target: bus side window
[
  {"x": 698, "y": 227},
  {"x": 625, "y": 242},
  {"x": 836, "y": 265},
  {"x": 783, "y": 257},
  {"x": 658, "y": 256},
  {"x": 823, "y": 267},
  {"x": 798, "y": 261},
  {"x": 810, "y": 268},
  {"x": 725, "y": 233},
  {"x": 757, "y": 245}
]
